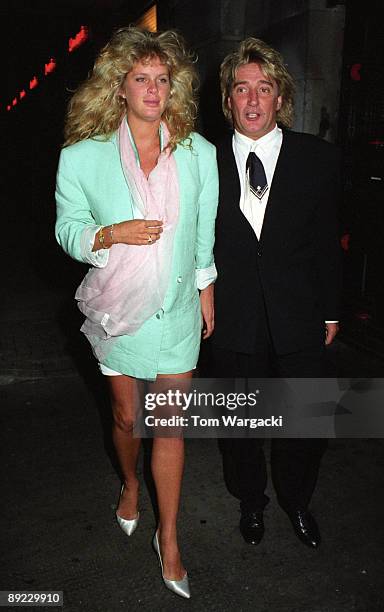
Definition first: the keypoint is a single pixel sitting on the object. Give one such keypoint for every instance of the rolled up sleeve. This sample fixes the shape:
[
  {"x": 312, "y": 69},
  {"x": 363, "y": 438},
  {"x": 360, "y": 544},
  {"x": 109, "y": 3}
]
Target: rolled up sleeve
[{"x": 207, "y": 210}]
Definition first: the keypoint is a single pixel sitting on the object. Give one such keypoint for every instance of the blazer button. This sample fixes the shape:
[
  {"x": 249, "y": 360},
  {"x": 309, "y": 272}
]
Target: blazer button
[{"x": 179, "y": 279}]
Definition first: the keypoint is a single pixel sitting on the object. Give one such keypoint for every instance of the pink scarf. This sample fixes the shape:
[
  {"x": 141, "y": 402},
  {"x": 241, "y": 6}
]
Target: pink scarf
[{"x": 119, "y": 298}]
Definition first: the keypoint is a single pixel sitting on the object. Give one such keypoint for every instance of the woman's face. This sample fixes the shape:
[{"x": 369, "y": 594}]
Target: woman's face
[{"x": 146, "y": 89}]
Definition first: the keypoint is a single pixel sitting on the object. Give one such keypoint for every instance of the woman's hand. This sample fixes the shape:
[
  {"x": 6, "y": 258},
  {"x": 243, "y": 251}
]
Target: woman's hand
[
  {"x": 138, "y": 231},
  {"x": 207, "y": 310}
]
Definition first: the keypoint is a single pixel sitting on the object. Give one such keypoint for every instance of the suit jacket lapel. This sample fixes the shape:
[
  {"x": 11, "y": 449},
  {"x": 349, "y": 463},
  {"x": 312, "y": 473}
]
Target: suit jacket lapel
[
  {"x": 282, "y": 178},
  {"x": 229, "y": 182},
  {"x": 228, "y": 168}
]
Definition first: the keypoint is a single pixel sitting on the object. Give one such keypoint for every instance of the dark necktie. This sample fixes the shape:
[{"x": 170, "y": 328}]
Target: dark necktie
[{"x": 257, "y": 179}]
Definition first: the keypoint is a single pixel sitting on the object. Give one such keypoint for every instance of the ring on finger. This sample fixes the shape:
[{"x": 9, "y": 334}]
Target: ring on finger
[{"x": 149, "y": 238}]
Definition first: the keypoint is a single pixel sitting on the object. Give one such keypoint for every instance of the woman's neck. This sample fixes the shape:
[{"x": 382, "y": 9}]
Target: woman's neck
[
  {"x": 147, "y": 142},
  {"x": 145, "y": 135}
]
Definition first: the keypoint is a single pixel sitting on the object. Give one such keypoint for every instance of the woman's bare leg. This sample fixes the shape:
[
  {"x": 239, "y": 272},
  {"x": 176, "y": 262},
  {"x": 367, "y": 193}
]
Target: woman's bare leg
[
  {"x": 167, "y": 471},
  {"x": 125, "y": 399}
]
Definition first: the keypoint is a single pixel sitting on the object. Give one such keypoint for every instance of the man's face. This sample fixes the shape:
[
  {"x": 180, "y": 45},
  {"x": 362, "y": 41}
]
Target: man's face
[{"x": 254, "y": 101}]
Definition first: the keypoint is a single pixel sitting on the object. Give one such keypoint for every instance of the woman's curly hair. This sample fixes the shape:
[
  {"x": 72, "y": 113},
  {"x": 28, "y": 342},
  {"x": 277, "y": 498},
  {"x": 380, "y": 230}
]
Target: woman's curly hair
[
  {"x": 272, "y": 64},
  {"x": 97, "y": 109}
]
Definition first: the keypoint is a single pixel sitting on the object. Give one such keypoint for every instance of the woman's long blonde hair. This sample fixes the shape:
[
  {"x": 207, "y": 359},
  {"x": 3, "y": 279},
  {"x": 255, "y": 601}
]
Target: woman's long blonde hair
[{"x": 96, "y": 108}]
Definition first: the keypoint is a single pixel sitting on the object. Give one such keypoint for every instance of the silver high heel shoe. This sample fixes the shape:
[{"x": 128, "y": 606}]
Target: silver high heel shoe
[
  {"x": 180, "y": 587},
  {"x": 127, "y": 525}
]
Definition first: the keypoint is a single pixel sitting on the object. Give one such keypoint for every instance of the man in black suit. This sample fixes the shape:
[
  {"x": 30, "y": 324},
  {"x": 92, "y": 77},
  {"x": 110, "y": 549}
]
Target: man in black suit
[{"x": 278, "y": 286}]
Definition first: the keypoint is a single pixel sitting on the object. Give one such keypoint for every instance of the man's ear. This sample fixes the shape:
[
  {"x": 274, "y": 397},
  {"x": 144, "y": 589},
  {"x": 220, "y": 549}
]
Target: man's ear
[
  {"x": 279, "y": 102},
  {"x": 229, "y": 102}
]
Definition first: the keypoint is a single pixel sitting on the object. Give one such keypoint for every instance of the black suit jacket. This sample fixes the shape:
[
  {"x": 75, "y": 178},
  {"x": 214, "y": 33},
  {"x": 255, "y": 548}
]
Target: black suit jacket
[{"x": 290, "y": 280}]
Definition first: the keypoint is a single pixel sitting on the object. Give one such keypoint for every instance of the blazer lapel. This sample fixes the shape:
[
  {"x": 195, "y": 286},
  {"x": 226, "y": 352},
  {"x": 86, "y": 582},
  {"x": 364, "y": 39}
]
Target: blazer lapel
[
  {"x": 282, "y": 178},
  {"x": 229, "y": 178}
]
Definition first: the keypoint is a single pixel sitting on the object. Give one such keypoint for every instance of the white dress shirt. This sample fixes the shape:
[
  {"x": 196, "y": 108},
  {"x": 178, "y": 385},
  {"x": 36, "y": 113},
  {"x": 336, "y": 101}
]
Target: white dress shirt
[{"x": 267, "y": 149}]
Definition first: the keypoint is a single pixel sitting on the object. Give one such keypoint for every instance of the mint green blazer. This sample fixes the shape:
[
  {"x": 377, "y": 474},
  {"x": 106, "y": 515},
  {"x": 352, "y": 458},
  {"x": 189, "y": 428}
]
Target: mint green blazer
[{"x": 92, "y": 191}]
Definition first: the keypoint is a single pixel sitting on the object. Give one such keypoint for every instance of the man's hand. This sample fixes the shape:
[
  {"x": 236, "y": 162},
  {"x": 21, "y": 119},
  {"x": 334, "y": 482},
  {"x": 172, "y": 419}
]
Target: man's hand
[
  {"x": 331, "y": 330},
  {"x": 207, "y": 310}
]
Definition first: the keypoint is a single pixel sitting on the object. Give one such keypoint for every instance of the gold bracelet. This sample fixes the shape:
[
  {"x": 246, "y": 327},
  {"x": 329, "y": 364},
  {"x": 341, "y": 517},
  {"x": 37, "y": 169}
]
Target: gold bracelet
[
  {"x": 102, "y": 238},
  {"x": 111, "y": 233}
]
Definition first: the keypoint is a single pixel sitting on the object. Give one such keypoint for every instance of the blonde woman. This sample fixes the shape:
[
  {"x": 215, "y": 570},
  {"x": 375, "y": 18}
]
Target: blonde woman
[{"x": 136, "y": 199}]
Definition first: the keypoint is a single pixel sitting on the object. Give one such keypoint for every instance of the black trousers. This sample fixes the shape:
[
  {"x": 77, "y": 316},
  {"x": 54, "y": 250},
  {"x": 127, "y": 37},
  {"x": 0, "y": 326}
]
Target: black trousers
[{"x": 294, "y": 462}]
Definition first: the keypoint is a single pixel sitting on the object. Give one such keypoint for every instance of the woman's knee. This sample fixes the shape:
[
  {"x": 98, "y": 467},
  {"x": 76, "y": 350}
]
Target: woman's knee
[
  {"x": 123, "y": 417},
  {"x": 125, "y": 400}
]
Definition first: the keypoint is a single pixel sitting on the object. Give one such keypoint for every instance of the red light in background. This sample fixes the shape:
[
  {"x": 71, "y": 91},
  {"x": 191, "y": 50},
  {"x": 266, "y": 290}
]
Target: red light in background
[
  {"x": 73, "y": 43},
  {"x": 50, "y": 67},
  {"x": 345, "y": 242},
  {"x": 78, "y": 40},
  {"x": 355, "y": 72}
]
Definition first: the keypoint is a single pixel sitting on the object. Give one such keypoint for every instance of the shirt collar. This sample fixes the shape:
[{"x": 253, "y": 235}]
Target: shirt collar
[{"x": 264, "y": 143}]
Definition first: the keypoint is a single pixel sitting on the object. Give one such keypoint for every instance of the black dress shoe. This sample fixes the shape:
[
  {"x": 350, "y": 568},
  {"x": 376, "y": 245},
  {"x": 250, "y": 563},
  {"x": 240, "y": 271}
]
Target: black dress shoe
[
  {"x": 252, "y": 527},
  {"x": 305, "y": 527}
]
